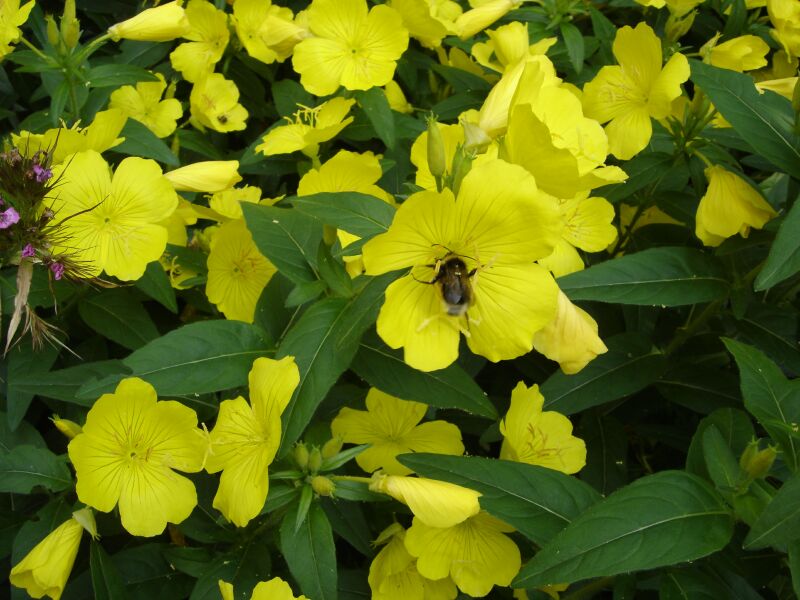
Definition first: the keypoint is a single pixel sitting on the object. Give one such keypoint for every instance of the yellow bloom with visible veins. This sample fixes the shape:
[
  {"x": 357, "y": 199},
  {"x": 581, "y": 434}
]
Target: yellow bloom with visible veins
[
  {"x": 112, "y": 224},
  {"x": 482, "y": 15},
  {"x": 350, "y": 47},
  {"x": 237, "y": 272},
  {"x": 128, "y": 454},
  {"x": 629, "y": 94},
  {"x": 508, "y": 45},
  {"x": 539, "y": 438},
  {"x": 419, "y": 17},
  {"x": 45, "y": 569},
  {"x": 206, "y": 176},
  {"x": 392, "y": 426},
  {"x": 729, "y": 206},
  {"x": 785, "y": 18},
  {"x": 144, "y": 104},
  {"x": 100, "y": 135},
  {"x": 435, "y": 503},
  {"x": 475, "y": 553},
  {"x": 393, "y": 573},
  {"x": 12, "y": 17},
  {"x": 490, "y": 234},
  {"x": 744, "y": 53},
  {"x": 267, "y": 31},
  {"x": 396, "y": 98},
  {"x": 311, "y": 127},
  {"x": 214, "y": 103},
  {"x": 228, "y": 203},
  {"x": 246, "y": 437},
  {"x": 160, "y": 24},
  {"x": 571, "y": 339},
  {"x": 208, "y": 37},
  {"x": 274, "y": 589}
]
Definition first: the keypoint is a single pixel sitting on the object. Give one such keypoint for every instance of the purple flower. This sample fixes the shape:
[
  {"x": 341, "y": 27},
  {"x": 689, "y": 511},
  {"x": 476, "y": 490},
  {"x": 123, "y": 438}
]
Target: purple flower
[
  {"x": 41, "y": 174},
  {"x": 8, "y": 217},
  {"x": 57, "y": 269},
  {"x": 28, "y": 251}
]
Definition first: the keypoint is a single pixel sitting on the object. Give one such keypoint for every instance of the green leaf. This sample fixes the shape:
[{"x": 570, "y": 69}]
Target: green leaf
[
  {"x": 784, "y": 254},
  {"x": 24, "y": 434},
  {"x": 26, "y": 467},
  {"x": 349, "y": 522},
  {"x": 360, "y": 214},
  {"x": 794, "y": 566},
  {"x": 630, "y": 365},
  {"x": 779, "y": 524},
  {"x": 690, "y": 584},
  {"x": 115, "y": 75},
  {"x": 207, "y": 356},
  {"x": 63, "y": 384},
  {"x": 140, "y": 141},
  {"x": 193, "y": 561},
  {"x": 721, "y": 463},
  {"x": 118, "y": 316},
  {"x": 765, "y": 120},
  {"x": 658, "y": 520},
  {"x": 310, "y": 553},
  {"x": 25, "y": 362},
  {"x": 452, "y": 387},
  {"x": 376, "y": 106},
  {"x": 699, "y": 388},
  {"x": 155, "y": 283},
  {"x": 537, "y": 501},
  {"x": 606, "y": 452},
  {"x": 773, "y": 329},
  {"x": 772, "y": 399},
  {"x": 106, "y": 580},
  {"x": 244, "y": 566},
  {"x": 323, "y": 342},
  {"x": 288, "y": 238},
  {"x": 736, "y": 430},
  {"x": 333, "y": 273},
  {"x": 573, "y": 39},
  {"x": 146, "y": 574},
  {"x": 642, "y": 170},
  {"x": 654, "y": 277},
  {"x": 288, "y": 96}
]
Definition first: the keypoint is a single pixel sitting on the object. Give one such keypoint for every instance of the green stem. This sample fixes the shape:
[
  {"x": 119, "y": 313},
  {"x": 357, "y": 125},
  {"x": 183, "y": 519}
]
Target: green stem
[
  {"x": 691, "y": 328},
  {"x": 35, "y": 50}
]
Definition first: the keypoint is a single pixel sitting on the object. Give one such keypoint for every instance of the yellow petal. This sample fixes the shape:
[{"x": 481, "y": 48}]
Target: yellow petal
[
  {"x": 628, "y": 134},
  {"x": 207, "y": 176}
]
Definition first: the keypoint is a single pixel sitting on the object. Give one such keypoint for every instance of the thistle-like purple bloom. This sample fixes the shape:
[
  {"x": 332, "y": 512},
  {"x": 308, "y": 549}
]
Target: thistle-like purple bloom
[
  {"x": 40, "y": 173},
  {"x": 57, "y": 269},
  {"x": 28, "y": 251},
  {"x": 8, "y": 217}
]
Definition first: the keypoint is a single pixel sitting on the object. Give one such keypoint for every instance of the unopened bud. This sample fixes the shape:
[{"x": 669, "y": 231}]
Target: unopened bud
[
  {"x": 69, "y": 428},
  {"x": 462, "y": 163},
  {"x": 475, "y": 139},
  {"x": 437, "y": 157},
  {"x": 332, "y": 447},
  {"x": 85, "y": 517},
  {"x": 322, "y": 485},
  {"x": 70, "y": 27},
  {"x": 301, "y": 456},
  {"x": 757, "y": 463},
  {"x": 52, "y": 31},
  {"x": 677, "y": 26},
  {"x": 314, "y": 460}
]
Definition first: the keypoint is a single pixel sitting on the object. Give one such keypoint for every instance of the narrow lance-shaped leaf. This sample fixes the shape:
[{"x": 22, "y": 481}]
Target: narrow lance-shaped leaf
[
  {"x": 311, "y": 553},
  {"x": 779, "y": 523},
  {"x": 360, "y": 214},
  {"x": 784, "y": 255}
]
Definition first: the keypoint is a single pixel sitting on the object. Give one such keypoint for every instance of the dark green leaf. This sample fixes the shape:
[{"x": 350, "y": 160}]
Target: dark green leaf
[
  {"x": 106, "y": 581},
  {"x": 654, "y": 277},
  {"x": 207, "y": 356},
  {"x": 779, "y": 524},
  {"x": 360, "y": 214},
  {"x": 765, "y": 120},
  {"x": 690, "y": 584},
  {"x": 26, "y": 467},
  {"x": 24, "y": 363},
  {"x": 630, "y": 365},
  {"x": 349, "y": 522},
  {"x": 700, "y": 388},
  {"x": 63, "y": 384},
  {"x": 192, "y": 561},
  {"x": 147, "y": 575},
  {"x": 643, "y": 170},
  {"x": 784, "y": 255},
  {"x": 452, "y": 387},
  {"x": 736, "y": 430},
  {"x": 658, "y": 520},
  {"x": 537, "y": 501},
  {"x": 286, "y": 237},
  {"x": 324, "y": 342},
  {"x": 118, "y": 74},
  {"x": 244, "y": 566},
  {"x": 305, "y": 292},
  {"x": 311, "y": 553},
  {"x": 140, "y": 141},
  {"x": 333, "y": 273},
  {"x": 770, "y": 398},
  {"x": 25, "y": 434},
  {"x": 118, "y": 316},
  {"x": 374, "y": 103},
  {"x": 606, "y": 452},
  {"x": 773, "y": 329},
  {"x": 155, "y": 283},
  {"x": 289, "y": 96},
  {"x": 794, "y": 566},
  {"x": 721, "y": 463},
  {"x": 573, "y": 39}
]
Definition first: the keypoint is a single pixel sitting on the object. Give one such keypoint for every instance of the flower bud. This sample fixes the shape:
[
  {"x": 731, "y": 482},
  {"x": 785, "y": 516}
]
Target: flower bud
[
  {"x": 475, "y": 138},
  {"x": 757, "y": 463},
  {"x": 678, "y": 25},
  {"x": 436, "y": 151},
  {"x": 332, "y": 447},
  {"x": 301, "y": 455},
  {"x": 52, "y": 31},
  {"x": 479, "y": 18},
  {"x": 69, "y": 428},
  {"x": 462, "y": 163},
  {"x": 314, "y": 460},
  {"x": 160, "y": 24},
  {"x": 208, "y": 176},
  {"x": 85, "y": 517},
  {"x": 70, "y": 26},
  {"x": 322, "y": 485}
]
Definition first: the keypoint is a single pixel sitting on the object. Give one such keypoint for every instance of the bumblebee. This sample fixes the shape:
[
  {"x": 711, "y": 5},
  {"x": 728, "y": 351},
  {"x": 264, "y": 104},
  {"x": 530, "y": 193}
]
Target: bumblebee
[{"x": 454, "y": 280}]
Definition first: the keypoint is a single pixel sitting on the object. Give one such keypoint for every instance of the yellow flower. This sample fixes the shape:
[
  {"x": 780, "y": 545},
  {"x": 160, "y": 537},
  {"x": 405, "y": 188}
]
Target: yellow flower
[
  {"x": 208, "y": 35},
  {"x": 274, "y": 589},
  {"x": 144, "y": 104},
  {"x": 69, "y": 428},
  {"x": 508, "y": 45},
  {"x": 350, "y": 46},
  {"x": 99, "y": 136},
  {"x": 475, "y": 553},
  {"x": 471, "y": 268},
  {"x": 12, "y": 16},
  {"x": 539, "y": 438},
  {"x": 112, "y": 225},
  {"x": 160, "y": 24},
  {"x": 267, "y": 31},
  {"x": 397, "y": 100},
  {"x": 214, "y": 103},
  {"x": 237, "y": 272},
  {"x": 744, "y": 53},
  {"x": 228, "y": 203},
  {"x": 629, "y": 94},
  {"x": 729, "y": 206},
  {"x": 785, "y": 17},
  {"x": 207, "y": 176},
  {"x": 571, "y": 339},
  {"x": 482, "y": 16},
  {"x": 128, "y": 453},
  {"x": 393, "y": 573},
  {"x": 392, "y": 427},
  {"x": 435, "y": 503},
  {"x": 424, "y": 22},
  {"x": 246, "y": 437},
  {"x": 311, "y": 127},
  {"x": 45, "y": 569}
]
